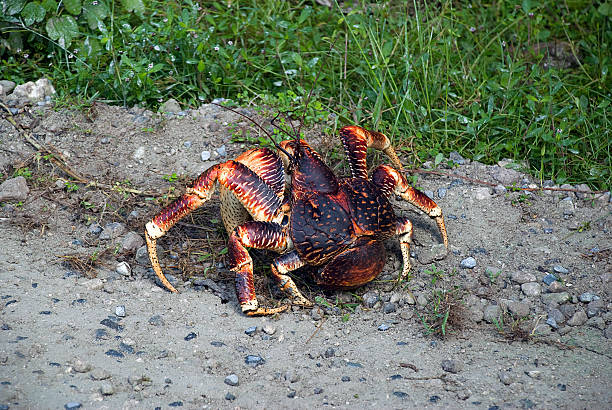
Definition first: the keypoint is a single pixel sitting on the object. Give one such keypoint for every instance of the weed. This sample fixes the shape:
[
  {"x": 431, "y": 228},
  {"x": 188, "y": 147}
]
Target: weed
[
  {"x": 171, "y": 178},
  {"x": 23, "y": 172}
]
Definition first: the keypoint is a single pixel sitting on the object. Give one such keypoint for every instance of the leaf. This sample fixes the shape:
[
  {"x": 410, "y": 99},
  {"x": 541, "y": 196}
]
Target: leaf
[
  {"x": 136, "y": 6},
  {"x": 62, "y": 29},
  {"x": 11, "y": 7},
  {"x": 33, "y": 13},
  {"x": 605, "y": 9},
  {"x": 201, "y": 66},
  {"x": 584, "y": 102},
  {"x": 50, "y": 5},
  {"x": 95, "y": 14},
  {"x": 439, "y": 158},
  {"x": 73, "y": 6}
]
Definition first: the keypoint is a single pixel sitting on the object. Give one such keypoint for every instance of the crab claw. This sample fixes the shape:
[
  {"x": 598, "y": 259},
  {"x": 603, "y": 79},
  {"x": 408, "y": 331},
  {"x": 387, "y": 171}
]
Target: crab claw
[{"x": 152, "y": 248}]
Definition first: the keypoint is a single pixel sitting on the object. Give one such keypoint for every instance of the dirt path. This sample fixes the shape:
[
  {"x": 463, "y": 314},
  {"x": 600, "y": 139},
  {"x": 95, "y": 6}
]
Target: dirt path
[{"x": 517, "y": 338}]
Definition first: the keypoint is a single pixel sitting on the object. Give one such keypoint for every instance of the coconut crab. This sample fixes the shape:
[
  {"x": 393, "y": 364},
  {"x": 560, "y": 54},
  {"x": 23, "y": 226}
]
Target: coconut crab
[{"x": 290, "y": 202}]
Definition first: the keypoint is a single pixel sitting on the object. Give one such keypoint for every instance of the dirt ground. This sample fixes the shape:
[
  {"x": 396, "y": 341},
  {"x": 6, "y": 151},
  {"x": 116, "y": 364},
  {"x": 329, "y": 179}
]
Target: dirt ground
[{"x": 84, "y": 324}]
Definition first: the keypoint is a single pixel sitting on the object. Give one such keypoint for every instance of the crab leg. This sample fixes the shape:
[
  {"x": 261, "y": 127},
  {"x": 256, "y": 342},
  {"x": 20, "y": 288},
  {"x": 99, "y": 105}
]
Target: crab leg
[
  {"x": 357, "y": 140},
  {"x": 391, "y": 181},
  {"x": 255, "y": 195},
  {"x": 258, "y": 235},
  {"x": 403, "y": 228}
]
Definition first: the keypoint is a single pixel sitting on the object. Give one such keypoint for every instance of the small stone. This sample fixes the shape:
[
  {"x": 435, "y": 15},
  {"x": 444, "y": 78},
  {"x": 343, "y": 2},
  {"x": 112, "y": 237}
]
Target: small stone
[
  {"x": 14, "y": 189},
  {"x": 456, "y": 158},
  {"x": 608, "y": 332},
  {"x": 491, "y": 313},
  {"x": 112, "y": 230},
  {"x": 422, "y": 300},
  {"x": 452, "y": 366},
  {"x": 345, "y": 379},
  {"x": 400, "y": 394},
  {"x": 384, "y": 327},
  {"x": 389, "y": 307},
  {"x": 269, "y": 329},
  {"x": 107, "y": 389},
  {"x": 500, "y": 189},
  {"x": 505, "y": 176},
  {"x": 131, "y": 242},
  {"x": 254, "y": 360},
  {"x": 369, "y": 299},
  {"x": 587, "y": 297},
  {"x": 560, "y": 269},
  {"x": 190, "y": 336},
  {"x": 230, "y": 397},
  {"x": 481, "y": 193},
  {"x": 205, "y": 156},
  {"x": 520, "y": 309},
  {"x": 94, "y": 284},
  {"x": 120, "y": 311},
  {"x": 552, "y": 323},
  {"x": 99, "y": 374},
  {"x": 187, "y": 144},
  {"x": 94, "y": 229},
  {"x": 139, "y": 153},
  {"x": 34, "y": 92},
  {"x": 429, "y": 193},
  {"x": 436, "y": 252},
  {"x": 556, "y": 315},
  {"x": 594, "y": 307},
  {"x": 521, "y": 277},
  {"x": 80, "y": 366},
  {"x": 566, "y": 206},
  {"x": 6, "y": 87},
  {"x": 170, "y": 106},
  {"x": 156, "y": 320},
  {"x": 142, "y": 255},
  {"x": 507, "y": 377},
  {"x": 231, "y": 380},
  {"x": 555, "y": 298},
  {"x": 222, "y": 151},
  {"x": 441, "y": 193},
  {"x": 578, "y": 319},
  {"x": 318, "y": 390},
  {"x": 534, "y": 374},
  {"x": 291, "y": 376},
  {"x": 548, "y": 279},
  {"x": 329, "y": 352},
  {"x": 315, "y": 314},
  {"x": 468, "y": 263},
  {"x": 557, "y": 287},
  {"x": 72, "y": 405},
  {"x": 124, "y": 269},
  {"x": 531, "y": 289},
  {"x": 250, "y": 331}
]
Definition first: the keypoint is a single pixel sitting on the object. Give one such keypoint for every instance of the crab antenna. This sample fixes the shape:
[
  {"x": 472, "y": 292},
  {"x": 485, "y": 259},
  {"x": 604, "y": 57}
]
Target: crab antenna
[{"x": 260, "y": 127}]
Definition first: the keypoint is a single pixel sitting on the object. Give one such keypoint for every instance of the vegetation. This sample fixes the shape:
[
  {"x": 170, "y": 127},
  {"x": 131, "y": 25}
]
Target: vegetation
[{"x": 490, "y": 79}]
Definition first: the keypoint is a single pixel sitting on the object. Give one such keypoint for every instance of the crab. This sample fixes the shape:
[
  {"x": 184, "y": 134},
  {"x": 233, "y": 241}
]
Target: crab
[{"x": 290, "y": 202}]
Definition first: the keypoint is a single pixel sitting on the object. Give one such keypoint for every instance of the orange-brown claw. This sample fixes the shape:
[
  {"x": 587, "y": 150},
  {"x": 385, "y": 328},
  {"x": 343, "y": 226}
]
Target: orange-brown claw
[
  {"x": 152, "y": 247},
  {"x": 261, "y": 311}
]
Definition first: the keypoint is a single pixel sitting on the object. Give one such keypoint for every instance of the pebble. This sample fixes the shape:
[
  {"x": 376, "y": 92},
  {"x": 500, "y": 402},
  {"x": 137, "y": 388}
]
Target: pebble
[
  {"x": 231, "y": 380},
  {"x": 468, "y": 263},
  {"x": 389, "y": 307},
  {"x": 318, "y": 390},
  {"x": 187, "y": 144},
  {"x": 587, "y": 297},
  {"x": 505, "y": 176},
  {"x": 556, "y": 315},
  {"x": 114, "y": 353},
  {"x": 520, "y": 309},
  {"x": 120, "y": 311},
  {"x": 345, "y": 379},
  {"x": 251, "y": 331},
  {"x": 230, "y": 397},
  {"x": 14, "y": 189},
  {"x": 315, "y": 314},
  {"x": 441, "y": 193},
  {"x": 94, "y": 228},
  {"x": 111, "y": 324},
  {"x": 269, "y": 329},
  {"x": 142, "y": 255},
  {"x": 170, "y": 106},
  {"x": 80, "y": 366},
  {"x": 400, "y": 394},
  {"x": 491, "y": 313},
  {"x": 384, "y": 327},
  {"x": 507, "y": 377},
  {"x": 370, "y": 298},
  {"x": 594, "y": 307},
  {"x": 94, "y": 284},
  {"x": 329, "y": 352},
  {"x": 124, "y": 269},
  {"x": 556, "y": 287},
  {"x": 555, "y": 298},
  {"x": 560, "y": 269},
  {"x": 550, "y": 278},
  {"x": 481, "y": 193},
  {"x": 456, "y": 158},
  {"x": 34, "y": 91},
  {"x": 436, "y": 252},
  {"x": 578, "y": 319},
  {"x": 107, "y": 389},
  {"x": 222, "y": 151},
  {"x": 451, "y": 366},
  {"x": 72, "y": 405},
  {"x": 131, "y": 242},
  {"x": 112, "y": 230},
  {"x": 500, "y": 189},
  {"x": 156, "y": 320},
  {"x": 521, "y": 277},
  {"x": 190, "y": 336},
  {"x": 99, "y": 374},
  {"x": 429, "y": 193},
  {"x": 205, "y": 155},
  {"x": 254, "y": 360},
  {"x": 531, "y": 289},
  {"x": 101, "y": 334}
]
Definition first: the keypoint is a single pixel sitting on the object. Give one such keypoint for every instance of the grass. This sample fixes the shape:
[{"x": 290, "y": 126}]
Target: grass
[{"x": 472, "y": 77}]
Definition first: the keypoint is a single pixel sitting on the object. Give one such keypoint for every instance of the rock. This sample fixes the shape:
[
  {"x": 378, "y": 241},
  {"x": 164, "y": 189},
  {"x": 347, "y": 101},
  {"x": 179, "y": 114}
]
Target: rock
[
  {"x": 94, "y": 284},
  {"x": 6, "y": 87},
  {"x": 269, "y": 329},
  {"x": 587, "y": 297},
  {"x": 566, "y": 206},
  {"x": 556, "y": 315},
  {"x": 329, "y": 352},
  {"x": 190, "y": 336},
  {"x": 370, "y": 298},
  {"x": 555, "y": 298},
  {"x": 520, "y": 309},
  {"x": 94, "y": 229},
  {"x": 608, "y": 332},
  {"x": 500, "y": 189},
  {"x": 468, "y": 263},
  {"x": 124, "y": 269},
  {"x": 291, "y": 376},
  {"x": 14, "y": 189},
  {"x": 521, "y": 277},
  {"x": 250, "y": 331},
  {"x": 560, "y": 269},
  {"x": 550, "y": 278},
  {"x": 505, "y": 176},
  {"x": 452, "y": 366},
  {"x": 384, "y": 327},
  {"x": 557, "y": 287},
  {"x": 132, "y": 241},
  {"x": 389, "y": 307},
  {"x": 441, "y": 193},
  {"x": 205, "y": 156},
  {"x": 491, "y": 313},
  {"x": 578, "y": 319},
  {"x": 34, "y": 92},
  {"x": 222, "y": 151},
  {"x": 99, "y": 374},
  {"x": 230, "y": 397},
  {"x": 254, "y": 360},
  {"x": 436, "y": 252},
  {"x": 170, "y": 106},
  {"x": 120, "y": 311},
  {"x": 71, "y": 405},
  {"x": 156, "y": 320},
  {"x": 481, "y": 193},
  {"x": 139, "y": 153},
  {"x": 594, "y": 307},
  {"x": 507, "y": 377},
  {"x": 80, "y": 366},
  {"x": 456, "y": 158},
  {"x": 142, "y": 255},
  {"x": 112, "y": 230},
  {"x": 107, "y": 389},
  {"x": 231, "y": 380},
  {"x": 531, "y": 289}
]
